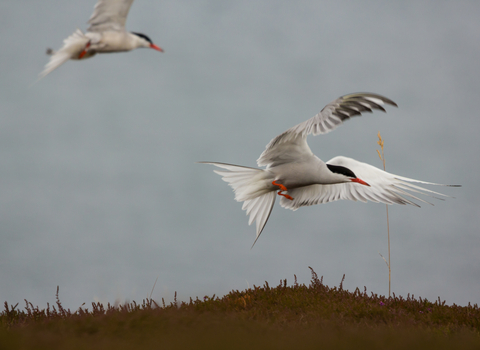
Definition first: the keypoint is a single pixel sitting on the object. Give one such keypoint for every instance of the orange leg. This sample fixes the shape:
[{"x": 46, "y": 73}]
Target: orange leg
[
  {"x": 84, "y": 52},
  {"x": 282, "y": 188}
]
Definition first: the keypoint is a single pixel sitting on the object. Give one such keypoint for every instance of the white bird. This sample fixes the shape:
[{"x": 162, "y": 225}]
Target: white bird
[
  {"x": 291, "y": 167},
  {"x": 106, "y": 34}
]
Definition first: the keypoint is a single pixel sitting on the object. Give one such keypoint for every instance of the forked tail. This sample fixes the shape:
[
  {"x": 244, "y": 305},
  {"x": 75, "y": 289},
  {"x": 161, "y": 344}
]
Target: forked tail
[
  {"x": 251, "y": 187},
  {"x": 72, "y": 46}
]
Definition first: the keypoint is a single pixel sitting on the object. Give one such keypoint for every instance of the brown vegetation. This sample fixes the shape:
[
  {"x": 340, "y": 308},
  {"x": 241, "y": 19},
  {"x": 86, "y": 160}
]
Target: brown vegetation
[{"x": 297, "y": 316}]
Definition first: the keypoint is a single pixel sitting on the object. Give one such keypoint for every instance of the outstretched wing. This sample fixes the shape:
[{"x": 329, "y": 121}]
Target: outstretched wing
[
  {"x": 384, "y": 188},
  {"x": 292, "y": 144},
  {"x": 109, "y": 15}
]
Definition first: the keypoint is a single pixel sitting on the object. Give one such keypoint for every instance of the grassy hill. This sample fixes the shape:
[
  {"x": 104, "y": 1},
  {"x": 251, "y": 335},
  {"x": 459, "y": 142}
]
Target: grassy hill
[{"x": 282, "y": 317}]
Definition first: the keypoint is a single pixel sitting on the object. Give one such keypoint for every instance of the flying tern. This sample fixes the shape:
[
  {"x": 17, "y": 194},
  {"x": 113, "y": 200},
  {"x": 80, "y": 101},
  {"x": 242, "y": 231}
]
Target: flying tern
[
  {"x": 303, "y": 179},
  {"x": 106, "y": 34}
]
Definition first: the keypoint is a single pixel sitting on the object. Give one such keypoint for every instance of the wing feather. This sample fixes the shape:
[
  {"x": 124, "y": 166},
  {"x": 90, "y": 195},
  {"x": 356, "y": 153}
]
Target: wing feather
[
  {"x": 384, "y": 188},
  {"x": 109, "y": 15},
  {"x": 330, "y": 117}
]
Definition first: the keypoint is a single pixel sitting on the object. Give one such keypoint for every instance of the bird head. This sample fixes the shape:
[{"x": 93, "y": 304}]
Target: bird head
[
  {"x": 145, "y": 41},
  {"x": 343, "y": 174}
]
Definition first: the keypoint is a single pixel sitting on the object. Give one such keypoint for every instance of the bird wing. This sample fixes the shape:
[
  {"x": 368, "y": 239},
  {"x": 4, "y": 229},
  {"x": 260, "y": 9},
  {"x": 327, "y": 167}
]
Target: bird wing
[
  {"x": 384, "y": 188},
  {"x": 109, "y": 15},
  {"x": 292, "y": 144},
  {"x": 72, "y": 46}
]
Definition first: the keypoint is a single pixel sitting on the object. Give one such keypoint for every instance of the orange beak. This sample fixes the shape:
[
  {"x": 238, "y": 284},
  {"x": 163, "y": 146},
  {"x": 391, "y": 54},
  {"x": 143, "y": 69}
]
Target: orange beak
[
  {"x": 360, "y": 182},
  {"x": 155, "y": 47}
]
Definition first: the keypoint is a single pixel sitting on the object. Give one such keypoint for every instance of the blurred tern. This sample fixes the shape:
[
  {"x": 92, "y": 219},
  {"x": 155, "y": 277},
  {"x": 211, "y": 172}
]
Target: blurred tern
[
  {"x": 302, "y": 179},
  {"x": 106, "y": 34}
]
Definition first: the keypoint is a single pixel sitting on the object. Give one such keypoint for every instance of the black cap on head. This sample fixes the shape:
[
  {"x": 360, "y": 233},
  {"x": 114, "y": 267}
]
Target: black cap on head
[
  {"x": 341, "y": 170},
  {"x": 143, "y": 36}
]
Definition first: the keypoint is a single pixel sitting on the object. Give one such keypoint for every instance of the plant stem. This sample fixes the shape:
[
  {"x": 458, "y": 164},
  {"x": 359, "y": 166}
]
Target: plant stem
[
  {"x": 389, "y": 266},
  {"x": 382, "y": 157}
]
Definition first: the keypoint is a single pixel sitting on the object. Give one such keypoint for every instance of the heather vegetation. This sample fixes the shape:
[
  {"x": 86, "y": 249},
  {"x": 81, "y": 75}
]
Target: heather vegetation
[{"x": 282, "y": 317}]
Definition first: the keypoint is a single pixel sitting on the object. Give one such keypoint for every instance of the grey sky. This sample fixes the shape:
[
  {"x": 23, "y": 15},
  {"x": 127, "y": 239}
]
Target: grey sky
[{"x": 100, "y": 191}]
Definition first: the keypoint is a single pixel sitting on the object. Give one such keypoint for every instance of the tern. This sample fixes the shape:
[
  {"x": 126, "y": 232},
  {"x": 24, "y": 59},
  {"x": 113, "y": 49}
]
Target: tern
[
  {"x": 303, "y": 179},
  {"x": 106, "y": 34}
]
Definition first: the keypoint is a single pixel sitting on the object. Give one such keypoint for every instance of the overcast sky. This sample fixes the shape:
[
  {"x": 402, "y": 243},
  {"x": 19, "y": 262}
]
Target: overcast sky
[{"x": 100, "y": 193}]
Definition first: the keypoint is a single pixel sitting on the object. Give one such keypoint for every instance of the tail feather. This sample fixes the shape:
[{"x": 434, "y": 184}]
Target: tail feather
[
  {"x": 72, "y": 46},
  {"x": 250, "y": 187},
  {"x": 259, "y": 210}
]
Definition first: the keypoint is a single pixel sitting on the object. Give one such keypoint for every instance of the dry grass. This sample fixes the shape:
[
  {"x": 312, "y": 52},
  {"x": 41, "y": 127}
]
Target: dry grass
[
  {"x": 300, "y": 316},
  {"x": 381, "y": 143}
]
